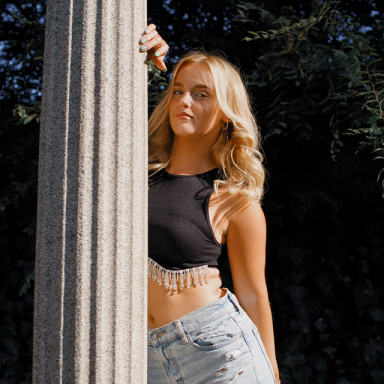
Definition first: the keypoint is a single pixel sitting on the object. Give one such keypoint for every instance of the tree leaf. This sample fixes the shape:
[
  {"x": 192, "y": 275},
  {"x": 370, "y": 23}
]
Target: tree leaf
[
  {"x": 374, "y": 61},
  {"x": 372, "y": 119},
  {"x": 327, "y": 108}
]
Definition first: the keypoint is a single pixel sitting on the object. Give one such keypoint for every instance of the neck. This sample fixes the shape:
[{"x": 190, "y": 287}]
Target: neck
[{"x": 190, "y": 157}]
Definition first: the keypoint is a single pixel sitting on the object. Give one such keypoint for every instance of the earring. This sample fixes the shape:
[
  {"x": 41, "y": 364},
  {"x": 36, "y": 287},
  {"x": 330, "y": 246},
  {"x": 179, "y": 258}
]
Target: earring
[{"x": 227, "y": 130}]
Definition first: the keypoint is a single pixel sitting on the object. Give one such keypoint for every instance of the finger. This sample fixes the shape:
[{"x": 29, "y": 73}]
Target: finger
[
  {"x": 159, "y": 62},
  {"x": 153, "y": 43},
  {"x": 150, "y": 28},
  {"x": 158, "y": 50},
  {"x": 158, "y": 56},
  {"x": 148, "y": 37}
]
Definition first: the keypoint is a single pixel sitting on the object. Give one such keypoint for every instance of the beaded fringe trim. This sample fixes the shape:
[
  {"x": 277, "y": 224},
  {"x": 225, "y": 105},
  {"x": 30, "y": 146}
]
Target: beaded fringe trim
[{"x": 170, "y": 277}]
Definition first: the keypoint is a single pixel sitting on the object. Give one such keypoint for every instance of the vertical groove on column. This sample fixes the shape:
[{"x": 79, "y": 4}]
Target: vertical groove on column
[
  {"x": 50, "y": 243},
  {"x": 137, "y": 151},
  {"x": 72, "y": 231},
  {"x": 132, "y": 94},
  {"x": 89, "y": 72},
  {"x": 106, "y": 218},
  {"x": 90, "y": 296},
  {"x": 83, "y": 124}
]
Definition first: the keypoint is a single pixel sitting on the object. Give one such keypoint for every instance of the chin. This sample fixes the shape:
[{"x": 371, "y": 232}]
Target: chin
[{"x": 183, "y": 131}]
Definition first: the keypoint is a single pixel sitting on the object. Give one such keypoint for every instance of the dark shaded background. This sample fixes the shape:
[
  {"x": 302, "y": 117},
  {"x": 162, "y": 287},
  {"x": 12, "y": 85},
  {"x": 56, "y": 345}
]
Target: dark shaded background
[{"x": 325, "y": 218}]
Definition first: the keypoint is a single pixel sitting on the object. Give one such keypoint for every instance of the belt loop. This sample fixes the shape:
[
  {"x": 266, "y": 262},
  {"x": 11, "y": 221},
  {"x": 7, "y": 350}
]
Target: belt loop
[
  {"x": 234, "y": 300},
  {"x": 181, "y": 332}
]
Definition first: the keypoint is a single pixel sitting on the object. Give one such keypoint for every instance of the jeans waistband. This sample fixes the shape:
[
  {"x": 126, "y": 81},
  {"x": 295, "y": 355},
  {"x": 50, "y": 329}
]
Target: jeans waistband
[{"x": 195, "y": 319}]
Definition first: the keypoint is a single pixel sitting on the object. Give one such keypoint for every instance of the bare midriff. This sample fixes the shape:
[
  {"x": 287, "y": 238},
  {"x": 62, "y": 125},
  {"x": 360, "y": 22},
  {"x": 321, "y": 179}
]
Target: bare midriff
[{"x": 165, "y": 305}]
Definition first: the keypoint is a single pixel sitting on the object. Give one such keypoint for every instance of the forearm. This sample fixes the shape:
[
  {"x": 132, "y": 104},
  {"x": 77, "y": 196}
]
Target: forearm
[{"x": 259, "y": 310}]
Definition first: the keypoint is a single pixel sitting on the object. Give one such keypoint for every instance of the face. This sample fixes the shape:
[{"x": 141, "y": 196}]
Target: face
[{"x": 194, "y": 110}]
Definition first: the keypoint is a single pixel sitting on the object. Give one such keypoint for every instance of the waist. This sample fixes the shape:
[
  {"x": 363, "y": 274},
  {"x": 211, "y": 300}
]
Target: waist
[
  {"x": 165, "y": 305},
  {"x": 195, "y": 319}
]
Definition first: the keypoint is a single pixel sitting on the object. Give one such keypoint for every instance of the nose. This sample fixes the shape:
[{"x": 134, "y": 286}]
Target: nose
[{"x": 186, "y": 99}]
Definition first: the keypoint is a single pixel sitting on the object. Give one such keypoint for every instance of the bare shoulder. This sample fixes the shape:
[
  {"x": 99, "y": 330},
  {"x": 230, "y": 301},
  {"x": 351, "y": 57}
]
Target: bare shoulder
[
  {"x": 240, "y": 208},
  {"x": 236, "y": 212},
  {"x": 251, "y": 211}
]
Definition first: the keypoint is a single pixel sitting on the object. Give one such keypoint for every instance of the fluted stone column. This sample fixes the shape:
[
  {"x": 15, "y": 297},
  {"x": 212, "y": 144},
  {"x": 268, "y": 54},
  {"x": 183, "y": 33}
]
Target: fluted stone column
[{"x": 90, "y": 288}]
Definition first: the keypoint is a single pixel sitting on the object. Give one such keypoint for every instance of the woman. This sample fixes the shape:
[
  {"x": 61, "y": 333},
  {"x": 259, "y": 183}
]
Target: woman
[{"x": 206, "y": 182}]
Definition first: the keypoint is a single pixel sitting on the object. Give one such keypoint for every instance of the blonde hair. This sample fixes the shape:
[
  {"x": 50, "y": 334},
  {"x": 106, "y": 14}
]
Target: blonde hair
[{"x": 237, "y": 149}]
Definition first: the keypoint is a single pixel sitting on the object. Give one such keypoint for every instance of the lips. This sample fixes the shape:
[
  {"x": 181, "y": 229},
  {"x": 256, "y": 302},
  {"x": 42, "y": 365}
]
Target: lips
[{"x": 183, "y": 114}]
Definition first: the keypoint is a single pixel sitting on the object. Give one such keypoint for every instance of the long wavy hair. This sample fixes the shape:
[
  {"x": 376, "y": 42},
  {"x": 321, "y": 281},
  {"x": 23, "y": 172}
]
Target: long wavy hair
[{"x": 237, "y": 151}]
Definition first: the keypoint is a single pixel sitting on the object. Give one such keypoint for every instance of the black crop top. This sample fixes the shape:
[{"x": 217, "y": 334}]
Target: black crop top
[{"x": 181, "y": 242}]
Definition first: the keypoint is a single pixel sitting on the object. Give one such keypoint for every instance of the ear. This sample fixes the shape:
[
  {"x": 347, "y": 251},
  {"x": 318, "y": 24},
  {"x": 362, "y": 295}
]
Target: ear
[{"x": 226, "y": 119}]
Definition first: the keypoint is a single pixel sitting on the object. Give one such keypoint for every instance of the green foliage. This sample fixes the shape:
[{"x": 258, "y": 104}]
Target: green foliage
[
  {"x": 24, "y": 114},
  {"x": 20, "y": 84},
  {"x": 27, "y": 284},
  {"x": 320, "y": 64},
  {"x": 157, "y": 85},
  {"x": 314, "y": 79}
]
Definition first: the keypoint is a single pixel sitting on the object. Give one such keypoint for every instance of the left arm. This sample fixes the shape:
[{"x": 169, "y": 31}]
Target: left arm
[{"x": 246, "y": 242}]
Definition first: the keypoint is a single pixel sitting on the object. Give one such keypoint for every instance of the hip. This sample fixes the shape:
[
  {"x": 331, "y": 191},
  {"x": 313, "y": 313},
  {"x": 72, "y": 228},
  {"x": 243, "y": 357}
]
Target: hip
[{"x": 217, "y": 343}]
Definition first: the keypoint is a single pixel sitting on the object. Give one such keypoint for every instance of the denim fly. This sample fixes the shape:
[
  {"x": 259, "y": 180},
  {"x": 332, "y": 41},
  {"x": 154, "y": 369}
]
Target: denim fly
[{"x": 217, "y": 343}]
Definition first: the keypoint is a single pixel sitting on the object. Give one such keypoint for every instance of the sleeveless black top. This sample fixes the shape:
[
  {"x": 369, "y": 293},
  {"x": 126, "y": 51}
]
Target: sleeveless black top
[{"x": 181, "y": 242}]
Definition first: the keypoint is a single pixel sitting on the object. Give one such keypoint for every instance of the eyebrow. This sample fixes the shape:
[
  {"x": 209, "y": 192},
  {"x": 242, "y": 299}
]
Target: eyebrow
[{"x": 196, "y": 86}]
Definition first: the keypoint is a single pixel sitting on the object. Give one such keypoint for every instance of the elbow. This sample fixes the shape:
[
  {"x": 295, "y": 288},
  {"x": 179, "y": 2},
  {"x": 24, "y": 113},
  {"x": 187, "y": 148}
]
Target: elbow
[{"x": 247, "y": 300}]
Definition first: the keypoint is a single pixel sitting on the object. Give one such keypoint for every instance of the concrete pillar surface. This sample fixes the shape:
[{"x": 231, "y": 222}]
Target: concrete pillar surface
[{"x": 90, "y": 293}]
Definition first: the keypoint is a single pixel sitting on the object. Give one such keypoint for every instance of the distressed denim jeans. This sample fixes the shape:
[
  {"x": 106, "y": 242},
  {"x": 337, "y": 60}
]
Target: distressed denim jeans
[{"x": 217, "y": 343}]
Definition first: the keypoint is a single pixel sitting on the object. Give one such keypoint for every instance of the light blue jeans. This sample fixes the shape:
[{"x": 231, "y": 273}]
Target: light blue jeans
[{"x": 217, "y": 343}]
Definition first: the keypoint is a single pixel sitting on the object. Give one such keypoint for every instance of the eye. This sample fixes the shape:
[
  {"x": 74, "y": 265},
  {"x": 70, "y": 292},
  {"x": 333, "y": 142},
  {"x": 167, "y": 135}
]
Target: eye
[
  {"x": 177, "y": 92},
  {"x": 203, "y": 95}
]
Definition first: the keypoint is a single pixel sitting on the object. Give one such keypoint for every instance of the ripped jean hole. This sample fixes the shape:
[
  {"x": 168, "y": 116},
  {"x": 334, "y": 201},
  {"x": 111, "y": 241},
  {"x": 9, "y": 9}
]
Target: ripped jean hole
[
  {"x": 232, "y": 355},
  {"x": 222, "y": 370},
  {"x": 234, "y": 380}
]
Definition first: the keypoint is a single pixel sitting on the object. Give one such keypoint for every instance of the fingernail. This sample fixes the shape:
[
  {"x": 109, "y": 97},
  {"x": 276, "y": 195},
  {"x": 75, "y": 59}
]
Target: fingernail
[
  {"x": 143, "y": 48},
  {"x": 143, "y": 40},
  {"x": 157, "y": 54},
  {"x": 165, "y": 70},
  {"x": 147, "y": 31}
]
